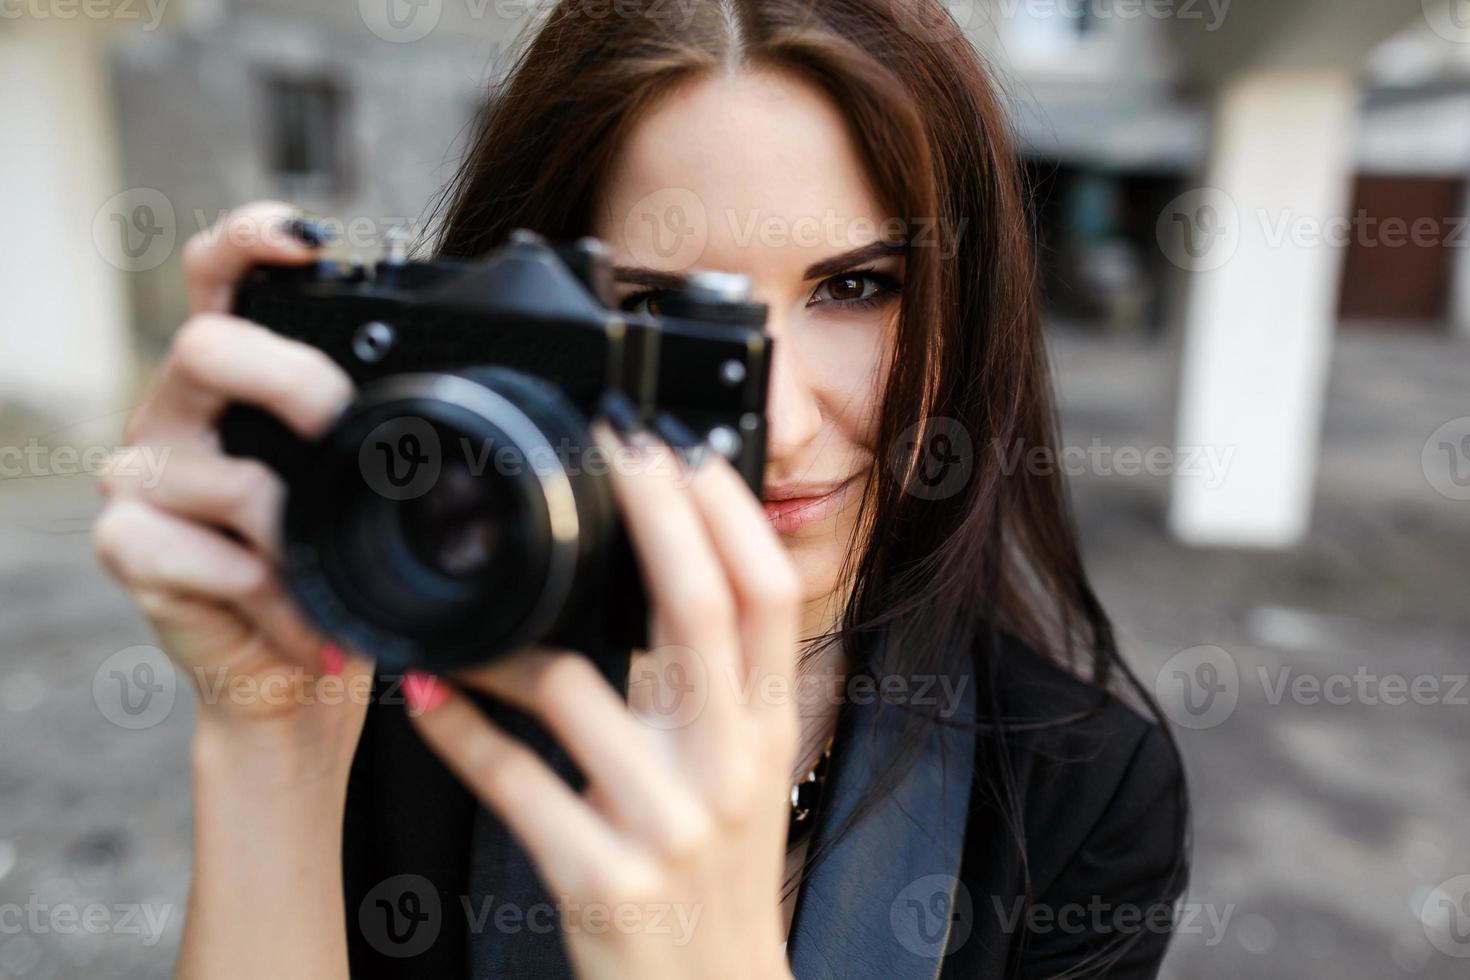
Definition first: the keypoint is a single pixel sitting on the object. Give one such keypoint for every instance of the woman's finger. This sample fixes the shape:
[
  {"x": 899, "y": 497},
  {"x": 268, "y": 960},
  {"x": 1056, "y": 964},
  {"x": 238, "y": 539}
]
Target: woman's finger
[
  {"x": 160, "y": 555},
  {"x": 218, "y": 359},
  {"x": 567, "y": 839},
  {"x": 588, "y": 718},
  {"x": 693, "y": 655},
  {"x": 242, "y": 495},
  {"x": 765, "y": 582},
  {"x": 215, "y": 259}
]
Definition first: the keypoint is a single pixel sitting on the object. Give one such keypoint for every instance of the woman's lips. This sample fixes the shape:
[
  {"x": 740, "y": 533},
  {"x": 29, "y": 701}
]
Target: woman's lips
[{"x": 790, "y": 509}]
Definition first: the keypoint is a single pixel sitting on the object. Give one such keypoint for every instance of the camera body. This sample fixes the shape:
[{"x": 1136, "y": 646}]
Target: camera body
[{"x": 458, "y": 509}]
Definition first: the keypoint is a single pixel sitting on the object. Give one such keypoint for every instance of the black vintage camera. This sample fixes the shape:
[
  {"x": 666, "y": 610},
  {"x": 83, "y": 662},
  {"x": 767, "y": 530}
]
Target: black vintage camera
[{"x": 458, "y": 510}]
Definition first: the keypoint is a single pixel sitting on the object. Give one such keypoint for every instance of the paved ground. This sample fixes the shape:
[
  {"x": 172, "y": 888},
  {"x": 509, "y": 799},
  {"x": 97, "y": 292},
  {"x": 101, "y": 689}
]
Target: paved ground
[{"x": 1322, "y": 829}]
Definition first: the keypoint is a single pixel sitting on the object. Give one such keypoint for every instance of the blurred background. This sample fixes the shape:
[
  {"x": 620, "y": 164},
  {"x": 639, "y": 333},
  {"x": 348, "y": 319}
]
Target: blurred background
[{"x": 1257, "y": 258}]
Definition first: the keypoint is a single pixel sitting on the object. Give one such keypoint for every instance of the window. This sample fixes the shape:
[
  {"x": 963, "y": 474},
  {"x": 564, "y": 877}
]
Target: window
[{"x": 305, "y": 123}]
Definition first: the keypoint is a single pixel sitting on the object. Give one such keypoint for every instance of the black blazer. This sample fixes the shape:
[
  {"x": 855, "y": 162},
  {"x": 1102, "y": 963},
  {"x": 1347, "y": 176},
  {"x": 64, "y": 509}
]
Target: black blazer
[{"x": 936, "y": 881}]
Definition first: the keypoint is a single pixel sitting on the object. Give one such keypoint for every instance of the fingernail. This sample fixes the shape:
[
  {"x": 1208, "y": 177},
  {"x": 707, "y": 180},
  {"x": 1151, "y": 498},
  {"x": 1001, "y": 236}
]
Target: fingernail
[
  {"x": 333, "y": 659},
  {"x": 309, "y": 232},
  {"x": 690, "y": 447},
  {"x": 424, "y": 692},
  {"x": 619, "y": 409}
]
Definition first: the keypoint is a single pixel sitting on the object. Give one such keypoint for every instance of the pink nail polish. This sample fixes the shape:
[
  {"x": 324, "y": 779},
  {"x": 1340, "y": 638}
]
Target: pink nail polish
[
  {"x": 333, "y": 659},
  {"x": 424, "y": 692}
]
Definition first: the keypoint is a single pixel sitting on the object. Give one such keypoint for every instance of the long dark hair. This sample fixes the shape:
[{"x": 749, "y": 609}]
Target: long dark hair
[{"x": 1000, "y": 553}]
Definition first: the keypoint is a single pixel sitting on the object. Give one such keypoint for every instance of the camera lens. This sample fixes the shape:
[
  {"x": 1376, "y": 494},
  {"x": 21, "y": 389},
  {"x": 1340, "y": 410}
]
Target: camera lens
[
  {"x": 442, "y": 523},
  {"x": 454, "y": 527}
]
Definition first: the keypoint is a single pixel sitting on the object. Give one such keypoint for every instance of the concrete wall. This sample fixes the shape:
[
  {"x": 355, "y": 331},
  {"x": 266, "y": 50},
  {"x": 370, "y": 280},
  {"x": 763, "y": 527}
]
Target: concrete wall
[
  {"x": 65, "y": 355},
  {"x": 194, "y": 121}
]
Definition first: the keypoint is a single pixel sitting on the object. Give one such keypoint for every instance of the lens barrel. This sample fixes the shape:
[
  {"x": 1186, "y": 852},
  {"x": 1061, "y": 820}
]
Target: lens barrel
[{"x": 447, "y": 518}]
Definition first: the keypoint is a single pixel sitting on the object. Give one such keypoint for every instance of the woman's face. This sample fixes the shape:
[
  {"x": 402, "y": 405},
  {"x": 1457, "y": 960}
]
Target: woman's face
[{"x": 757, "y": 173}]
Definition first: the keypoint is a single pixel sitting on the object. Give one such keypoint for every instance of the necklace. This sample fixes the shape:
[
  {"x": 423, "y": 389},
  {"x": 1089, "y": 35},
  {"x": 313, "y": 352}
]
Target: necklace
[{"x": 805, "y": 793}]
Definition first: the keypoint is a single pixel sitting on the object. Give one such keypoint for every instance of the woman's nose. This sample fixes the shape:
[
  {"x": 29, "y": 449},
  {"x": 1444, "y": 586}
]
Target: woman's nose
[{"x": 793, "y": 415}]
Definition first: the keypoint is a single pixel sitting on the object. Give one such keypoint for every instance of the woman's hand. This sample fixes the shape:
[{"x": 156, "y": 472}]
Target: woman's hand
[
  {"x": 213, "y": 597},
  {"x": 197, "y": 549},
  {"x": 671, "y": 864}
]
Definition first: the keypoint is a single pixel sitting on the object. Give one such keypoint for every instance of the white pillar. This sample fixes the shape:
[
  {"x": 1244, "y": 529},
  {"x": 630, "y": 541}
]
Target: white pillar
[
  {"x": 1459, "y": 304},
  {"x": 1257, "y": 241},
  {"x": 64, "y": 328}
]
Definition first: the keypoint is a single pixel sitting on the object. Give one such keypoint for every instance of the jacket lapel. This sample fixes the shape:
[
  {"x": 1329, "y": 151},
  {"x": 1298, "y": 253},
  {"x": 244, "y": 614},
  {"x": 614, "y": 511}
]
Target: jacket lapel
[{"x": 883, "y": 901}]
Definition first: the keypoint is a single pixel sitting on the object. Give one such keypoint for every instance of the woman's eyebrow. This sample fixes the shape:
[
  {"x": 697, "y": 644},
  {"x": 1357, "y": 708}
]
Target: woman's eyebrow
[
  {"x": 649, "y": 278},
  {"x": 654, "y": 279},
  {"x": 865, "y": 253}
]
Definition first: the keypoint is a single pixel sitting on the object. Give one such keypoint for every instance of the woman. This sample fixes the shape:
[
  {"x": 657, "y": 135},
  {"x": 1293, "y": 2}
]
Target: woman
[{"x": 905, "y": 625}]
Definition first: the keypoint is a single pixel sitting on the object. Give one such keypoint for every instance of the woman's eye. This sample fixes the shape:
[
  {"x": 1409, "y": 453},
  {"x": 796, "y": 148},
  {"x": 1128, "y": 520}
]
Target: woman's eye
[
  {"x": 851, "y": 288},
  {"x": 644, "y": 302}
]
